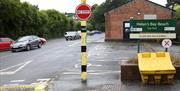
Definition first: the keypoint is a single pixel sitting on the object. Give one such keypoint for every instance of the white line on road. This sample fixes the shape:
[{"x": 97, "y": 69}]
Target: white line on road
[
  {"x": 91, "y": 52},
  {"x": 71, "y": 73},
  {"x": 79, "y": 65},
  {"x": 111, "y": 72},
  {"x": 17, "y": 81},
  {"x": 6, "y": 85},
  {"x": 92, "y": 73},
  {"x": 26, "y": 63},
  {"x": 22, "y": 65},
  {"x": 73, "y": 44},
  {"x": 11, "y": 67},
  {"x": 44, "y": 80},
  {"x": 88, "y": 65}
]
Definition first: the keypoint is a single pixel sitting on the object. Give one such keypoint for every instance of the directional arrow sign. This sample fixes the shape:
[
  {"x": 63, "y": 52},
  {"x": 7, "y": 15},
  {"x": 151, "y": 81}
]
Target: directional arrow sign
[{"x": 83, "y": 12}]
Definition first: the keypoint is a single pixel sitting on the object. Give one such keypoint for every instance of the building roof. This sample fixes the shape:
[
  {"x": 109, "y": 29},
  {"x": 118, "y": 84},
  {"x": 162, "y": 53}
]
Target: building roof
[
  {"x": 159, "y": 5},
  {"x": 144, "y": 0}
]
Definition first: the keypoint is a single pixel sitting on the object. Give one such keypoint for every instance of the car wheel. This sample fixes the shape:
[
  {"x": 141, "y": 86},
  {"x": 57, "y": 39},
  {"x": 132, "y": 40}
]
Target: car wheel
[
  {"x": 42, "y": 43},
  {"x": 13, "y": 51},
  {"x": 28, "y": 47},
  {"x": 39, "y": 45},
  {"x": 75, "y": 37},
  {"x": 66, "y": 39}
]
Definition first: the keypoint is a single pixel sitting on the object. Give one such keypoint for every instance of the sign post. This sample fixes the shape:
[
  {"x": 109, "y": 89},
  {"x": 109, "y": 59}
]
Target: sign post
[
  {"x": 153, "y": 29},
  {"x": 166, "y": 43},
  {"x": 138, "y": 51},
  {"x": 83, "y": 12}
]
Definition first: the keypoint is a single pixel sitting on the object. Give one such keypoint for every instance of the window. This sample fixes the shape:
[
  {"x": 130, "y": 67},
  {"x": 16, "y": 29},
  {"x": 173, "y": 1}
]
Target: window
[
  {"x": 150, "y": 16},
  {"x": 127, "y": 25}
]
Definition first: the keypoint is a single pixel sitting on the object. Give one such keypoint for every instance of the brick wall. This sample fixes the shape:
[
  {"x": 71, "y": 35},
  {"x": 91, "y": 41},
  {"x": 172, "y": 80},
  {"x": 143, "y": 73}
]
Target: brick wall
[{"x": 115, "y": 18}]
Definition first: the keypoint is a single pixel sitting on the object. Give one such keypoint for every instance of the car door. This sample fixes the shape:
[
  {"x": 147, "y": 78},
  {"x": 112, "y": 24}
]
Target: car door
[
  {"x": 4, "y": 44},
  {"x": 36, "y": 41},
  {"x": 31, "y": 42}
]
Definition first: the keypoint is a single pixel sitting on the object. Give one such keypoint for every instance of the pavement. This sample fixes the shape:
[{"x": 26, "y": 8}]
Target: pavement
[
  {"x": 104, "y": 78},
  {"x": 58, "y": 65}
]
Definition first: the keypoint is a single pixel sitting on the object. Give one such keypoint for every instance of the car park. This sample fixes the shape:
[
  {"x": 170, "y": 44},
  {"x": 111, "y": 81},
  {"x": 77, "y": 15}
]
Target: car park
[
  {"x": 5, "y": 43},
  {"x": 72, "y": 35},
  {"x": 26, "y": 43}
]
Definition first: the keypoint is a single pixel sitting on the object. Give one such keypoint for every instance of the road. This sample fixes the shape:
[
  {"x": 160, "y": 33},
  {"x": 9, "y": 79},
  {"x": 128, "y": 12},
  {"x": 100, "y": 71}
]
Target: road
[
  {"x": 57, "y": 56},
  {"x": 60, "y": 61},
  {"x": 27, "y": 66}
]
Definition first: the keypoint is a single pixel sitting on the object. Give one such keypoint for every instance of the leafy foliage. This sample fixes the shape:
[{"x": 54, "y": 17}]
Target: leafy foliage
[
  {"x": 98, "y": 18},
  {"x": 20, "y": 19}
]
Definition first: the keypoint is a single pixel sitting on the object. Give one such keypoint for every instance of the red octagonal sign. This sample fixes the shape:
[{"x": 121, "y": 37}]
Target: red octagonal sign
[{"x": 83, "y": 12}]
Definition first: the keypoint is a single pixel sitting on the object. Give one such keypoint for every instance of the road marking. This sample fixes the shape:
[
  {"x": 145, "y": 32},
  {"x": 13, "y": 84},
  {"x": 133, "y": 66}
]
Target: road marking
[
  {"x": 44, "y": 80},
  {"x": 124, "y": 60},
  {"x": 91, "y": 52},
  {"x": 92, "y": 72},
  {"x": 43, "y": 84},
  {"x": 14, "y": 87},
  {"x": 88, "y": 65},
  {"x": 10, "y": 85},
  {"x": 112, "y": 72},
  {"x": 79, "y": 65},
  {"x": 73, "y": 44},
  {"x": 71, "y": 73},
  {"x": 22, "y": 65},
  {"x": 17, "y": 81},
  {"x": 40, "y": 86}
]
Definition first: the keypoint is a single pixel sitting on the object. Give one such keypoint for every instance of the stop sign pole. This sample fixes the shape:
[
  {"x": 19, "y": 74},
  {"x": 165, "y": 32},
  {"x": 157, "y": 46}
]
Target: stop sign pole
[{"x": 83, "y": 12}]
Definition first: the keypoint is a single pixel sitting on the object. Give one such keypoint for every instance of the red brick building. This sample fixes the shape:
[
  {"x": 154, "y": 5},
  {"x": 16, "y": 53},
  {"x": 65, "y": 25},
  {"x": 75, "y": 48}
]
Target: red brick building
[{"x": 115, "y": 20}]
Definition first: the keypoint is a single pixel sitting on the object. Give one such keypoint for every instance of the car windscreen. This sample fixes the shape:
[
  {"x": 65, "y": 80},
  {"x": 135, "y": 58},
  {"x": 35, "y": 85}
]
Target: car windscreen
[
  {"x": 24, "y": 39},
  {"x": 5, "y": 40}
]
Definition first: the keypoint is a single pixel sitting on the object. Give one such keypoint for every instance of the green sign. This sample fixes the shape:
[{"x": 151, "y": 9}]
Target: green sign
[{"x": 153, "y": 26}]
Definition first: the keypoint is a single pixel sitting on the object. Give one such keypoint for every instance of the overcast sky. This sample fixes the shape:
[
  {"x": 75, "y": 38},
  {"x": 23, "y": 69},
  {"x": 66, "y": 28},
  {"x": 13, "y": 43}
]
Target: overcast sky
[{"x": 69, "y": 5}]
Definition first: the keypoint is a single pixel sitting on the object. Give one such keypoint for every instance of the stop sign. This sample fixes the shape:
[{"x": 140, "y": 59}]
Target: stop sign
[{"x": 83, "y": 12}]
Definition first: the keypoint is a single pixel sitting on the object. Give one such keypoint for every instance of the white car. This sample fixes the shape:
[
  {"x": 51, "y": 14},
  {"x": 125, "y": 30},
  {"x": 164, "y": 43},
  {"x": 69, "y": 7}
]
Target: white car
[{"x": 72, "y": 35}]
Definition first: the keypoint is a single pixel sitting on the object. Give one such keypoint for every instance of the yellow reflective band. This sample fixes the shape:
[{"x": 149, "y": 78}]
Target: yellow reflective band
[
  {"x": 84, "y": 75},
  {"x": 83, "y": 1},
  {"x": 84, "y": 58},
  {"x": 83, "y": 23},
  {"x": 83, "y": 39}
]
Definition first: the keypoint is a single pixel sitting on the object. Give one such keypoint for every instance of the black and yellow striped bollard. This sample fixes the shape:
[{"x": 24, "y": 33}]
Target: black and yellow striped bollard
[{"x": 83, "y": 48}]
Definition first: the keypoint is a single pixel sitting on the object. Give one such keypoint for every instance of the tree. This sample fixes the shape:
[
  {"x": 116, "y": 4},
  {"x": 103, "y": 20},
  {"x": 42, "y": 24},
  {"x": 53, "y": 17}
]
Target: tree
[
  {"x": 98, "y": 19},
  {"x": 10, "y": 11},
  {"x": 171, "y": 3},
  {"x": 57, "y": 23},
  {"x": 20, "y": 19},
  {"x": 94, "y": 7},
  {"x": 77, "y": 25},
  {"x": 178, "y": 13},
  {"x": 71, "y": 25}
]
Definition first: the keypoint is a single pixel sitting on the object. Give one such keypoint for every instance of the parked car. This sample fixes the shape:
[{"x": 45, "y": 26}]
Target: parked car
[
  {"x": 42, "y": 41},
  {"x": 5, "y": 43},
  {"x": 72, "y": 35},
  {"x": 97, "y": 32},
  {"x": 79, "y": 32},
  {"x": 90, "y": 33},
  {"x": 26, "y": 43}
]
